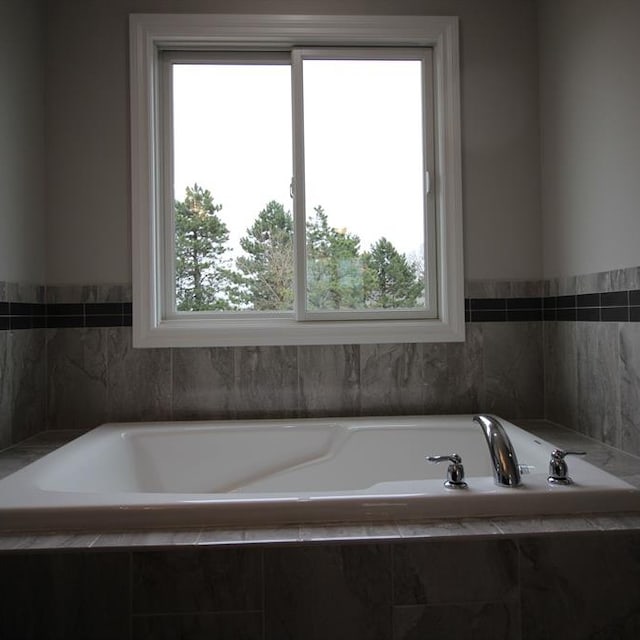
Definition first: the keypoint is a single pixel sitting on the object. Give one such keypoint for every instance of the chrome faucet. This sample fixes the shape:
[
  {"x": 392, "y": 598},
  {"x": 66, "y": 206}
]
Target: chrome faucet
[{"x": 506, "y": 472}]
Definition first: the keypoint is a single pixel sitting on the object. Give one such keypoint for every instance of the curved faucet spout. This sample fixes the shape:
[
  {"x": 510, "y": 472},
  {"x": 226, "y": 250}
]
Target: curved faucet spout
[{"x": 506, "y": 472}]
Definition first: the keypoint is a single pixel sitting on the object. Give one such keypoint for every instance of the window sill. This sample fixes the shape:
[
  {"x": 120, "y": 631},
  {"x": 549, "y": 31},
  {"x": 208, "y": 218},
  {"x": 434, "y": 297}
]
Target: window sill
[{"x": 193, "y": 332}]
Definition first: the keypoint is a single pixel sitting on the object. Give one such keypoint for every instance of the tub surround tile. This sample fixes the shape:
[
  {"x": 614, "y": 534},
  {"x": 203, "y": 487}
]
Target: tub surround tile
[
  {"x": 221, "y": 626},
  {"x": 459, "y": 528},
  {"x": 546, "y": 524},
  {"x": 458, "y": 386},
  {"x": 469, "y": 621},
  {"x": 598, "y": 382},
  {"x": 630, "y": 387},
  {"x": 618, "y": 522},
  {"x": 266, "y": 382},
  {"x": 560, "y": 373},
  {"x": 392, "y": 379},
  {"x": 437, "y": 573},
  {"x": 328, "y": 592},
  {"x": 6, "y": 384},
  {"x": 154, "y": 539},
  {"x": 329, "y": 378},
  {"x": 197, "y": 581},
  {"x": 35, "y": 542},
  {"x": 346, "y": 532},
  {"x": 512, "y": 369},
  {"x": 574, "y": 586},
  {"x": 252, "y": 535},
  {"x": 65, "y": 595},
  {"x": 77, "y": 366},
  {"x": 203, "y": 383},
  {"x": 27, "y": 352},
  {"x": 138, "y": 380}
]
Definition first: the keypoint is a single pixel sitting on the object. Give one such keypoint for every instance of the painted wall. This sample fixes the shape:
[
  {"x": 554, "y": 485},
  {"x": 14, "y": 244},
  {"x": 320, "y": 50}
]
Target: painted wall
[
  {"x": 590, "y": 135},
  {"x": 88, "y": 135},
  {"x": 22, "y": 212}
]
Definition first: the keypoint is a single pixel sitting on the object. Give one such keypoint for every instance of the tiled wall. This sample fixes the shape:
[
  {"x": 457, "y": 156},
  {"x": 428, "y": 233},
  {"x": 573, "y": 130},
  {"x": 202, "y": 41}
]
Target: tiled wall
[
  {"x": 592, "y": 357},
  {"x": 94, "y": 375},
  {"x": 566, "y": 349},
  {"x": 22, "y": 365},
  {"x": 520, "y": 588}
]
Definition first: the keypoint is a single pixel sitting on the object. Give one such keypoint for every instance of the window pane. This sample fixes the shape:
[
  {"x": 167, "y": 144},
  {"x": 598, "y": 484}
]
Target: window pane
[
  {"x": 232, "y": 171},
  {"x": 364, "y": 190}
]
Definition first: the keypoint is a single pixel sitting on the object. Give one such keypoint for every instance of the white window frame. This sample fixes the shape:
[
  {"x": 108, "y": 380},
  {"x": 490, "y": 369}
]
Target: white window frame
[{"x": 151, "y": 34}]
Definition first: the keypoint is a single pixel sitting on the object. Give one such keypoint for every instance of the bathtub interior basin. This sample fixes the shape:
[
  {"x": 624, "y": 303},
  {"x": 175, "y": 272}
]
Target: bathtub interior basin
[{"x": 274, "y": 471}]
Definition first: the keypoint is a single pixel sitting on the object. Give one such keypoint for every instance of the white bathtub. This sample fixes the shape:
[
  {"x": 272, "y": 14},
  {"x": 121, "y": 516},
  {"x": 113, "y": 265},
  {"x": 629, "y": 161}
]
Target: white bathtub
[{"x": 275, "y": 471}]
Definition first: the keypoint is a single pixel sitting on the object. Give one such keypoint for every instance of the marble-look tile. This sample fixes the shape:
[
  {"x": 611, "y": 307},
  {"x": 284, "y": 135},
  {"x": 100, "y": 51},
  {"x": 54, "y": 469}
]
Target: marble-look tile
[
  {"x": 138, "y": 380},
  {"x": 6, "y": 384},
  {"x": 71, "y": 293},
  {"x": 392, "y": 379},
  {"x": 598, "y": 381},
  {"x": 65, "y": 595},
  {"x": 51, "y": 439},
  {"x": 548, "y": 524},
  {"x": 199, "y": 626},
  {"x": 27, "y": 292},
  {"x": 630, "y": 387},
  {"x": 581, "y": 586},
  {"x": 567, "y": 286},
  {"x": 348, "y": 532},
  {"x": 251, "y": 535},
  {"x": 527, "y": 289},
  {"x": 340, "y": 591},
  {"x": 203, "y": 383},
  {"x": 616, "y": 522},
  {"x": 469, "y": 621},
  {"x": 113, "y": 293},
  {"x": 560, "y": 373},
  {"x": 28, "y": 364},
  {"x": 487, "y": 288},
  {"x": 442, "y": 572},
  {"x": 50, "y": 541},
  {"x": 551, "y": 287},
  {"x": 156, "y": 539},
  {"x": 453, "y": 374},
  {"x": 197, "y": 580},
  {"x": 329, "y": 380},
  {"x": 266, "y": 382},
  {"x": 588, "y": 283},
  {"x": 513, "y": 369},
  {"x": 451, "y": 528},
  {"x": 76, "y": 369}
]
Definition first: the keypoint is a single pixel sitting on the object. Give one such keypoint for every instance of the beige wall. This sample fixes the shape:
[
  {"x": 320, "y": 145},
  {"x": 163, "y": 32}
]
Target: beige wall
[
  {"x": 88, "y": 143},
  {"x": 22, "y": 222},
  {"x": 590, "y": 125}
]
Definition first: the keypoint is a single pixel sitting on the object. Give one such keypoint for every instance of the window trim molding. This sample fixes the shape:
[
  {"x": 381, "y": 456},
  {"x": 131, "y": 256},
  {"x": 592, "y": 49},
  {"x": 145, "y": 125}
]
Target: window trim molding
[{"x": 151, "y": 33}]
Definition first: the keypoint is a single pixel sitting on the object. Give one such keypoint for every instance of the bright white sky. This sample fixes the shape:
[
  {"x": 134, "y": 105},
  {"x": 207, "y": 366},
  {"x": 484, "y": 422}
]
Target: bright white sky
[{"x": 363, "y": 151}]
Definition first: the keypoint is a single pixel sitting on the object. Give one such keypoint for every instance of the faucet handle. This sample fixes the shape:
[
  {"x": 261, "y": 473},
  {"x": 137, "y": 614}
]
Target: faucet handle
[
  {"x": 558, "y": 470},
  {"x": 455, "y": 471}
]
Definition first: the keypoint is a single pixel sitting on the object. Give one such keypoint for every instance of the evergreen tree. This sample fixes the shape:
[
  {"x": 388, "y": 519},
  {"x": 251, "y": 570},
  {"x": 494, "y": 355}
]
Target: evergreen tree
[
  {"x": 264, "y": 281},
  {"x": 390, "y": 281},
  {"x": 334, "y": 269},
  {"x": 202, "y": 276}
]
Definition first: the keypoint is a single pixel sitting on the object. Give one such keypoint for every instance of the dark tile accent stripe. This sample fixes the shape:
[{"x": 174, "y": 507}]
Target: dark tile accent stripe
[
  {"x": 618, "y": 306},
  {"x": 20, "y": 315}
]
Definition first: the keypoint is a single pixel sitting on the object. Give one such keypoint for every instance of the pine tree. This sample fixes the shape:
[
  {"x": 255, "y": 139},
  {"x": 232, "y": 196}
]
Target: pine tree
[
  {"x": 202, "y": 276},
  {"x": 264, "y": 281},
  {"x": 390, "y": 281},
  {"x": 334, "y": 268}
]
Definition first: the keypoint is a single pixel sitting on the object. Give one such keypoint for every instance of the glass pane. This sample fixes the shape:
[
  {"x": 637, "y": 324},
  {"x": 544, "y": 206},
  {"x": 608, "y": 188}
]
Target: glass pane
[
  {"x": 232, "y": 171},
  {"x": 364, "y": 184}
]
